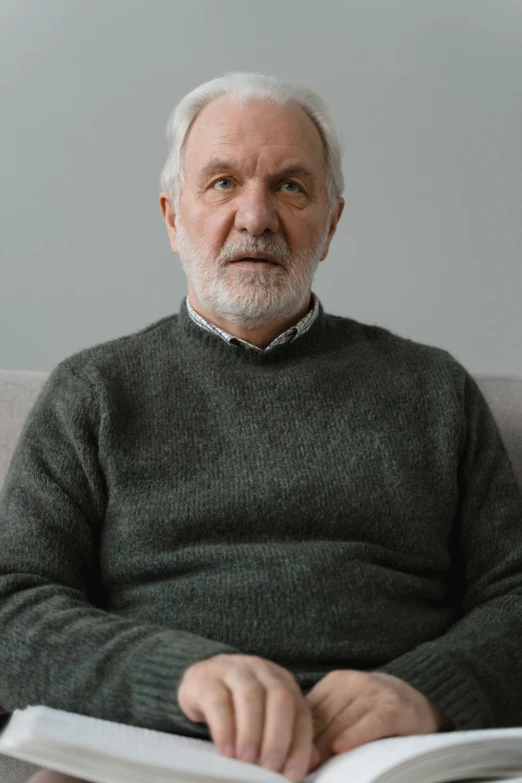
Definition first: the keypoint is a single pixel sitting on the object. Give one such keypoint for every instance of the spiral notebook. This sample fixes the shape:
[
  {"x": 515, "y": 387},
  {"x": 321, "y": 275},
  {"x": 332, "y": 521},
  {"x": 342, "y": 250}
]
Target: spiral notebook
[{"x": 103, "y": 751}]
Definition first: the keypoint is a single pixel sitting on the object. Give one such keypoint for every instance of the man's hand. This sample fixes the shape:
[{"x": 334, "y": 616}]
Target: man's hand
[
  {"x": 254, "y": 706},
  {"x": 350, "y": 708}
]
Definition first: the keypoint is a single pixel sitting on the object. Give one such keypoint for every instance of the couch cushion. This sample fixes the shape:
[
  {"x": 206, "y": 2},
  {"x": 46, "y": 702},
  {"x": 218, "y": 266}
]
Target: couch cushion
[
  {"x": 18, "y": 393},
  {"x": 503, "y": 394}
]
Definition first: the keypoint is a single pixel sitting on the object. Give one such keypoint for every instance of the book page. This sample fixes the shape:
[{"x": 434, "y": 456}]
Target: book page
[
  {"x": 430, "y": 758},
  {"x": 51, "y": 735}
]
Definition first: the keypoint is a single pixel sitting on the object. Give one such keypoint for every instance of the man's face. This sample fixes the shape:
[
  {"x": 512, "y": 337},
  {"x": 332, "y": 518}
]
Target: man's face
[{"x": 248, "y": 204}]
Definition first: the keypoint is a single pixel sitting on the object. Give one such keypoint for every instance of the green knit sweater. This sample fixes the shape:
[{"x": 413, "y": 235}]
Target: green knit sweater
[{"x": 342, "y": 501}]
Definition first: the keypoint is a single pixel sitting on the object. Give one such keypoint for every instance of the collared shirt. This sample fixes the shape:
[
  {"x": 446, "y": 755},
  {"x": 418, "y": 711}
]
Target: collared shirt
[{"x": 286, "y": 337}]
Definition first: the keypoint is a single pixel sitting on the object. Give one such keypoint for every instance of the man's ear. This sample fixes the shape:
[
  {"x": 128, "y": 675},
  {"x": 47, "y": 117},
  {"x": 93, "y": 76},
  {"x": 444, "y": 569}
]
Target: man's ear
[
  {"x": 169, "y": 217},
  {"x": 333, "y": 227}
]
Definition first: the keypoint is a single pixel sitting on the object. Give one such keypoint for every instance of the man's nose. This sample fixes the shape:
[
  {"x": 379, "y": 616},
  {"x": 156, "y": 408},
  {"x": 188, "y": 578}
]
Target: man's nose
[{"x": 256, "y": 209}]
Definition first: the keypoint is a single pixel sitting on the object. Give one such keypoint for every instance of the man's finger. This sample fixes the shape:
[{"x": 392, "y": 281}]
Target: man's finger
[
  {"x": 372, "y": 726},
  {"x": 315, "y": 758}
]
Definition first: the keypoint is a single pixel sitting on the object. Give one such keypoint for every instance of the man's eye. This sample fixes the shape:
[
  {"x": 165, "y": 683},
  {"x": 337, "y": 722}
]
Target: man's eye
[
  {"x": 224, "y": 179},
  {"x": 287, "y": 182}
]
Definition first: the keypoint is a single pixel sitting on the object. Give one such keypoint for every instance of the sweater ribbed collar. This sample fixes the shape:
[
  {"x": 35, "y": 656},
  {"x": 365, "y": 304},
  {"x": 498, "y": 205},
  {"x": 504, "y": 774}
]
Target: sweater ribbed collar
[
  {"x": 293, "y": 333},
  {"x": 211, "y": 346}
]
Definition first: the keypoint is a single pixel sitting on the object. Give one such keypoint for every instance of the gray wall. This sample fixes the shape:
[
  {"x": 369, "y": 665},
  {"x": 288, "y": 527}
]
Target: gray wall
[{"x": 428, "y": 94}]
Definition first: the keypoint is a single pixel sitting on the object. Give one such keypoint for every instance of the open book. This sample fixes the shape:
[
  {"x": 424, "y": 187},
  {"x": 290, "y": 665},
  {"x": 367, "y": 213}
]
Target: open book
[{"x": 102, "y": 751}]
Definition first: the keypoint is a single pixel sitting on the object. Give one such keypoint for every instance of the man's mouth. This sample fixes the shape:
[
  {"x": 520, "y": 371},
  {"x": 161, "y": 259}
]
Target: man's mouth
[{"x": 254, "y": 263}]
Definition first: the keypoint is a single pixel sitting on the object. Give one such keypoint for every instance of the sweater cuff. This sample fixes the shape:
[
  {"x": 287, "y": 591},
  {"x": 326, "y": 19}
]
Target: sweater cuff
[
  {"x": 447, "y": 684},
  {"x": 156, "y": 682}
]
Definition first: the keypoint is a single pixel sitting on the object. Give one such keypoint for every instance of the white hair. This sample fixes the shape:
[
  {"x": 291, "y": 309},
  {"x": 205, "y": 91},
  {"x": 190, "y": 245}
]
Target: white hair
[{"x": 243, "y": 86}]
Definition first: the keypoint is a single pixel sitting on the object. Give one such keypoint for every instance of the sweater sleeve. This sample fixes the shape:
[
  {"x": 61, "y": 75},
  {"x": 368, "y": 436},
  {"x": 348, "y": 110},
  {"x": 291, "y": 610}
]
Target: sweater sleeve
[
  {"x": 473, "y": 673},
  {"x": 57, "y": 648}
]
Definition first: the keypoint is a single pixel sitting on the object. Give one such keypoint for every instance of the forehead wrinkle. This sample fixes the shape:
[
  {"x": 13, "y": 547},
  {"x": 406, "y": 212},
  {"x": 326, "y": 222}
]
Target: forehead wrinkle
[
  {"x": 281, "y": 138},
  {"x": 287, "y": 151},
  {"x": 290, "y": 151}
]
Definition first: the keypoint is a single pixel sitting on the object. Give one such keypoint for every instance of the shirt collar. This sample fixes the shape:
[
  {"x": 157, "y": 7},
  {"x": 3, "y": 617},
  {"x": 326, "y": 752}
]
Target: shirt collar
[{"x": 286, "y": 337}]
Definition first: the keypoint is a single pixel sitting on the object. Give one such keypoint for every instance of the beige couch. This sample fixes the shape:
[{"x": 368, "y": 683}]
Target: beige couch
[{"x": 18, "y": 391}]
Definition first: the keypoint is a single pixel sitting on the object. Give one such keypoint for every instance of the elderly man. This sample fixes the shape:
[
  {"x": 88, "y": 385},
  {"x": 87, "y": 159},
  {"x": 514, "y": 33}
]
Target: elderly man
[{"x": 251, "y": 521}]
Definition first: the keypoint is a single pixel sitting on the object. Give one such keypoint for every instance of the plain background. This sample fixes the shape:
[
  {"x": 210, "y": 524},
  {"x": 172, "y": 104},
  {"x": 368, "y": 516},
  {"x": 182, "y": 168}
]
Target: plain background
[{"x": 428, "y": 96}]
